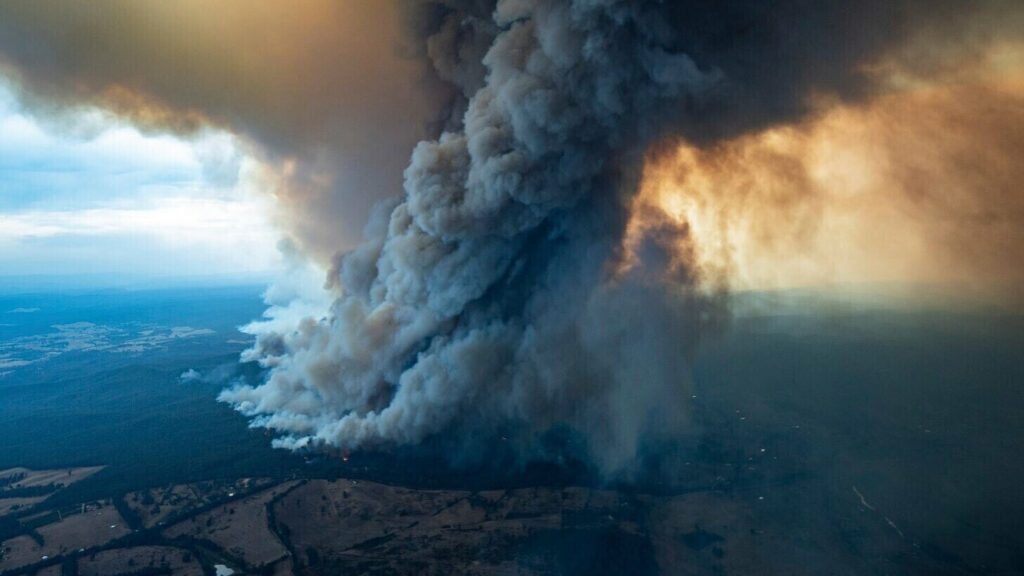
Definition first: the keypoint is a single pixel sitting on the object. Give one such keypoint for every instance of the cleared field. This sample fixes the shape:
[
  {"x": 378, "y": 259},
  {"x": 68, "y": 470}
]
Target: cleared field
[
  {"x": 283, "y": 568},
  {"x": 363, "y": 527},
  {"x": 18, "y": 552},
  {"x": 15, "y": 481},
  {"x": 334, "y": 517},
  {"x": 8, "y": 505},
  {"x": 366, "y": 527},
  {"x": 157, "y": 505},
  {"x": 32, "y": 478},
  {"x": 307, "y": 528},
  {"x": 128, "y": 560},
  {"x": 55, "y": 570},
  {"x": 238, "y": 527},
  {"x": 98, "y": 525}
]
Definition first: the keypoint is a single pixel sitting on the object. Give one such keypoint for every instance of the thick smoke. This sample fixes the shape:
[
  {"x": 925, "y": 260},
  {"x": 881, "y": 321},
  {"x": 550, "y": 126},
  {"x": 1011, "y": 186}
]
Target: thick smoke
[
  {"x": 496, "y": 296},
  {"x": 491, "y": 296},
  {"x": 481, "y": 298}
]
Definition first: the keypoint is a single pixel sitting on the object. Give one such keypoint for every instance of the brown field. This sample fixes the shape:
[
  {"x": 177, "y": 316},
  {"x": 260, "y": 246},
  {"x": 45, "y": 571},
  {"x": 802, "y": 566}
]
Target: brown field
[
  {"x": 8, "y": 505},
  {"x": 156, "y": 505},
  {"x": 54, "y": 570},
  {"x": 360, "y": 527},
  {"x": 366, "y": 527},
  {"x": 333, "y": 517},
  {"x": 63, "y": 477},
  {"x": 128, "y": 560},
  {"x": 100, "y": 524},
  {"x": 369, "y": 527},
  {"x": 283, "y": 568},
  {"x": 238, "y": 527},
  {"x": 19, "y": 551}
]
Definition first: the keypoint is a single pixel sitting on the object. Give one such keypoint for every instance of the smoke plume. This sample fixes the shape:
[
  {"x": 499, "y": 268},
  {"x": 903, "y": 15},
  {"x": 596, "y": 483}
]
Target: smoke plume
[
  {"x": 491, "y": 296},
  {"x": 508, "y": 288}
]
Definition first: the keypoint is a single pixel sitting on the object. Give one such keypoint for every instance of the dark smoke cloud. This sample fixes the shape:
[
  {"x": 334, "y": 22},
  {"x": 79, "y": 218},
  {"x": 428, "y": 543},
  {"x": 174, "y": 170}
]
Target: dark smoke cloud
[
  {"x": 486, "y": 297},
  {"x": 491, "y": 296},
  {"x": 464, "y": 300}
]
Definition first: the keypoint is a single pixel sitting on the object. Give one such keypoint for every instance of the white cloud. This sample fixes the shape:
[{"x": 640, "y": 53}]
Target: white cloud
[
  {"x": 109, "y": 199},
  {"x": 233, "y": 235}
]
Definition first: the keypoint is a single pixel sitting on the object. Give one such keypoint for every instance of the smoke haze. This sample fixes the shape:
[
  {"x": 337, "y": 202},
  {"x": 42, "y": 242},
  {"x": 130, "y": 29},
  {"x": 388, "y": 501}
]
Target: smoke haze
[{"x": 919, "y": 185}]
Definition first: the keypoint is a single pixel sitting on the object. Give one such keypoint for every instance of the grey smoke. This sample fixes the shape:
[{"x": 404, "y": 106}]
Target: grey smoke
[
  {"x": 483, "y": 299},
  {"x": 487, "y": 297},
  {"x": 190, "y": 375},
  {"x": 222, "y": 374}
]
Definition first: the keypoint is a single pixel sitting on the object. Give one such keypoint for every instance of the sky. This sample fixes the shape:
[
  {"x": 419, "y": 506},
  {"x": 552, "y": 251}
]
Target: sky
[
  {"x": 158, "y": 154},
  {"x": 163, "y": 154},
  {"x": 92, "y": 195}
]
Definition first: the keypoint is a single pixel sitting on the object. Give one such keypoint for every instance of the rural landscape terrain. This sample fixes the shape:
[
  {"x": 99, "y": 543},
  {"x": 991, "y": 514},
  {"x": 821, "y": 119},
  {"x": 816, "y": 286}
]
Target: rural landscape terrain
[
  {"x": 263, "y": 526},
  {"x": 118, "y": 459}
]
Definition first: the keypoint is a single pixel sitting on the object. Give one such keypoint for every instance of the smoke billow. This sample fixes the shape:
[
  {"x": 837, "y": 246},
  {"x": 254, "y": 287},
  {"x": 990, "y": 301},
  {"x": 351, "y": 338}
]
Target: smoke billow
[
  {"x": 506, "y": 290},
  {"x": 492, "y": 296},
  {"x": 481, "y": 299}
]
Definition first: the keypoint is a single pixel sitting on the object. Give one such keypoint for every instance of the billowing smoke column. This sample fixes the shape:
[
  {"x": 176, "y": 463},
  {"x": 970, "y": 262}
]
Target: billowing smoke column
[
  {"x": 482, "y": 297},
  {"x": 498, "y": 294},
  {"x": 493, "y": 295}
]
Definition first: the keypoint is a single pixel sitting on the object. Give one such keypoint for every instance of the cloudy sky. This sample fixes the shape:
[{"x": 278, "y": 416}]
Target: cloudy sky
[
  {"x": 157, "y": 153},
  {"x": 89, "y": 194}
]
